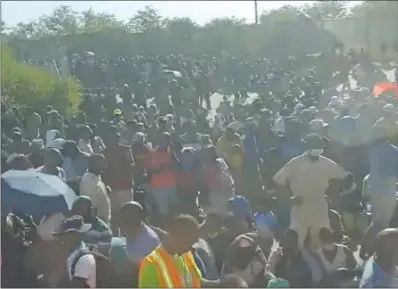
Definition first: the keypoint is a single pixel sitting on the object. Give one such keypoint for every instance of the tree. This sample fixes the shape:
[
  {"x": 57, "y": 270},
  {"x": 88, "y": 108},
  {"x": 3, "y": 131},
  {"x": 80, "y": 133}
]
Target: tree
[
  {"x": 145, "y": 20},
  {"x": 33, "y": 86},
  {"x": 280, "y": 32},
  {"x": 322, "y": 10}
]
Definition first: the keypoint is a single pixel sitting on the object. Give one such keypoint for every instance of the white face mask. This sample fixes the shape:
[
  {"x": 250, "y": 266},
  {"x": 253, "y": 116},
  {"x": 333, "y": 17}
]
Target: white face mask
[{"x": 315, "y": 152}]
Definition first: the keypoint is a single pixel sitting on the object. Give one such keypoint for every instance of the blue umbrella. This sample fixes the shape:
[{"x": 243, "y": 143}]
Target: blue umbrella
[{"x": 34, "y": 193}]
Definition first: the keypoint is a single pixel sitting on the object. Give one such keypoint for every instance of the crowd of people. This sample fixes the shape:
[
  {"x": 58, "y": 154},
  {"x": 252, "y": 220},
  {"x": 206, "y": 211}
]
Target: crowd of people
[{"x": 289, "y": 182}]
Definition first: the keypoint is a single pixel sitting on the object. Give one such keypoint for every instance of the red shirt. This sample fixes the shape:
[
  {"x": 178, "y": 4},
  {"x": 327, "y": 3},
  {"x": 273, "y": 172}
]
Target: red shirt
[
  {"x": 163, "y": 161},
  {"x": 119, "y": 172}
]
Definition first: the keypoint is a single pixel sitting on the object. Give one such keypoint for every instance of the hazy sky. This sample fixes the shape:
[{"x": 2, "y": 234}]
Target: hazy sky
[{"x": 13, "y": 12}]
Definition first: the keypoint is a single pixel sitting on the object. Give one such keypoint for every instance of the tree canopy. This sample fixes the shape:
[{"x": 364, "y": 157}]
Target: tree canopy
[
  {"x": 295, "y": 30},
  {"x": 25, "y": 85}
]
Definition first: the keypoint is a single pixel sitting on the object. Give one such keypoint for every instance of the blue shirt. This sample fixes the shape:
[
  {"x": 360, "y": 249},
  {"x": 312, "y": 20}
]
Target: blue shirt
[
  {"x": 138, "y": 248},
  {"x": 383, "y": 160},
  {"x": 374, "y": 277}
]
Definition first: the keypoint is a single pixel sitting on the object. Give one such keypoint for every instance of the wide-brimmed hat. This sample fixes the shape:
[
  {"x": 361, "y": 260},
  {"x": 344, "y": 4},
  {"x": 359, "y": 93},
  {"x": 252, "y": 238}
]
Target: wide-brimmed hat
[
  {"x": 73, "y": 224},
  {"x": 317, "y": 124}
]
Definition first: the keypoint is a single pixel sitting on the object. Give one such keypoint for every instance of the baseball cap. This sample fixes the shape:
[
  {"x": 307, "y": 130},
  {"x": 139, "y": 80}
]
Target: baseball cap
[
  {"x": 239, "y": 207},
  {"x": 74, "y": 224}
]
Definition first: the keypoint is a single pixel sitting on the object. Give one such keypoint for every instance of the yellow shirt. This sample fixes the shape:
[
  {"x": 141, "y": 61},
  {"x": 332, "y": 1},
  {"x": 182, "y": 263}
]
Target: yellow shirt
[
  {"x": 224, "y": 146},
  {"x": 149, "y": 277}
]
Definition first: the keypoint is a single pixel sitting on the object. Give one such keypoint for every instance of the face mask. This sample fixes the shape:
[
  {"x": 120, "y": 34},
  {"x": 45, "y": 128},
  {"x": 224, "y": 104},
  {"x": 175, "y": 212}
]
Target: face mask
[
  {"x": 250, "y": 273},
  {"x": 315, "y": 152}
]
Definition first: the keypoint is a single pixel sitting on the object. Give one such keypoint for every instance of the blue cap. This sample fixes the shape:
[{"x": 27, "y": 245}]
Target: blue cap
[{"x": 239, "y": 207}]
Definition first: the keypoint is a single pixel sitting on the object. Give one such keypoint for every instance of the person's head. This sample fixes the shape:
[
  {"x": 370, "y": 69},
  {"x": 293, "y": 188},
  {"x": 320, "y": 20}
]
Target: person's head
[
  {"x": 190, "y": 127},
  {"x": 327, "y": 238},
  {"x": 57, "y": 143},
  {"x": 86, "y": 133},
  {"x": 239, "y": 208},
  {"x": 96, "y": 164},
  {"x": 184, "y": 231},
  {"x": 378, "y": 134},
  {"x": 229, "y": 133},
  {"x": 117, "y": 114},
  {"x": 162, "y": 123},
  {"x": 70, "y": 149},
  {"x": 315, "y": 146},
  {"x": 37, "y": 145},
  {"x": 71, "y": 230},
  {"x": 139, "y": 138},
  {"x": 83, "y": 206},
  {"x": 131, "y": 217},
  {"x": 317, "y": 126},
  {"x": 289, "y": 242},
  {"x": 112, "y": 137},
  {"x": 19, "y": 162},
  {"x": 152, "y": 109},
  {"x": 246, "y": 249},
  {"x": 389, "y": 111},
  {"x": 386, "y": 246},
  {"x": 52, "y": 158},
  {"x": 250, "y": 124}
]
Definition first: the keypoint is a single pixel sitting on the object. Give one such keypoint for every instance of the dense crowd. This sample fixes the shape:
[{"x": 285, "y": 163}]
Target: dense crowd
[{"x": 289, "y": 181}]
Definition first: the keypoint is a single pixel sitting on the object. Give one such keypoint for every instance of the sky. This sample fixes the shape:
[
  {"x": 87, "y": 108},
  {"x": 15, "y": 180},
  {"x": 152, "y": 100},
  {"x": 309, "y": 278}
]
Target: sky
[{"x": 13, "y": 12}]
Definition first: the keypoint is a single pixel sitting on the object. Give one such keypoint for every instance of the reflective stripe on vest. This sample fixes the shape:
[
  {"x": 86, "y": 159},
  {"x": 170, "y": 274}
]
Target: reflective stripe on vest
[
  {"x": 168, "y": 275},
  {"x": 190, "y": 261}
]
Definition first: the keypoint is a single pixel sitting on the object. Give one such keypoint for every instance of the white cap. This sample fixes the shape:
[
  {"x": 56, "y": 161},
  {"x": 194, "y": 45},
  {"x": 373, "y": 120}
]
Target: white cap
[
  {"x": 388, "y": 108},
  {"x": 57, "y": 143}
]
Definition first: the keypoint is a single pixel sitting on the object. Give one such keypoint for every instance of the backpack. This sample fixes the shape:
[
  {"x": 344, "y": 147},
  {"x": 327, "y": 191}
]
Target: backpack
[{"x": 102, "y": 264}]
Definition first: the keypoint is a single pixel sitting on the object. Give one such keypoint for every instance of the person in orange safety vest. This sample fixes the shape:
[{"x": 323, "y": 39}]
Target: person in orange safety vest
[{"x": 172, "y": 265}]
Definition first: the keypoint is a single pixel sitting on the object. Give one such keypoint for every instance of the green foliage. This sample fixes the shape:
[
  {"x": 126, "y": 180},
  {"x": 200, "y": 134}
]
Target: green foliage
[
  {"x": 301, "y": 29},
  {"x": 33, "y": 86}
]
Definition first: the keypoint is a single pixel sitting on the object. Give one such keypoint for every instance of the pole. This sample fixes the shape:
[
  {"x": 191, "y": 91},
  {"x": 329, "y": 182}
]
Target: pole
[{"x": 255, "y": 12}]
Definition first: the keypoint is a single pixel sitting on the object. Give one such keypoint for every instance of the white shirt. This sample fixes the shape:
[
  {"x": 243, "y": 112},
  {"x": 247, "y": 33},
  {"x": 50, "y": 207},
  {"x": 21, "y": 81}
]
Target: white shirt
[
  {"x": 92, "y": 186},
  {"x": 50, "y": 136},
  {"x": 85, "y": 146},
  {"x": 85, "y": 267}
]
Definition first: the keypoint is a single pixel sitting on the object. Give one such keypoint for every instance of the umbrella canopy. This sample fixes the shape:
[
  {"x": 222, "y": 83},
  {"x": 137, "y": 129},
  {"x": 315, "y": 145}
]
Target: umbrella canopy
[{"x": 34, "y": 193}]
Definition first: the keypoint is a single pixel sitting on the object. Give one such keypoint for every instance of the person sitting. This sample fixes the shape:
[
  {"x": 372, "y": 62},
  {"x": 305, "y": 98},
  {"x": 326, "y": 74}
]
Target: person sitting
[
  {"x": 333, "y": 256},
  {"x": 246, "y": 259},
  {"x": 286, "y": 261}
]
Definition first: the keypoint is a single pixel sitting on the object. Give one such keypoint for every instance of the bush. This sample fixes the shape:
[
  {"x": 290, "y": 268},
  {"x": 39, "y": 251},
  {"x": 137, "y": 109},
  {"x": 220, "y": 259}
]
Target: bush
[{"x": 33, "y": 86}]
